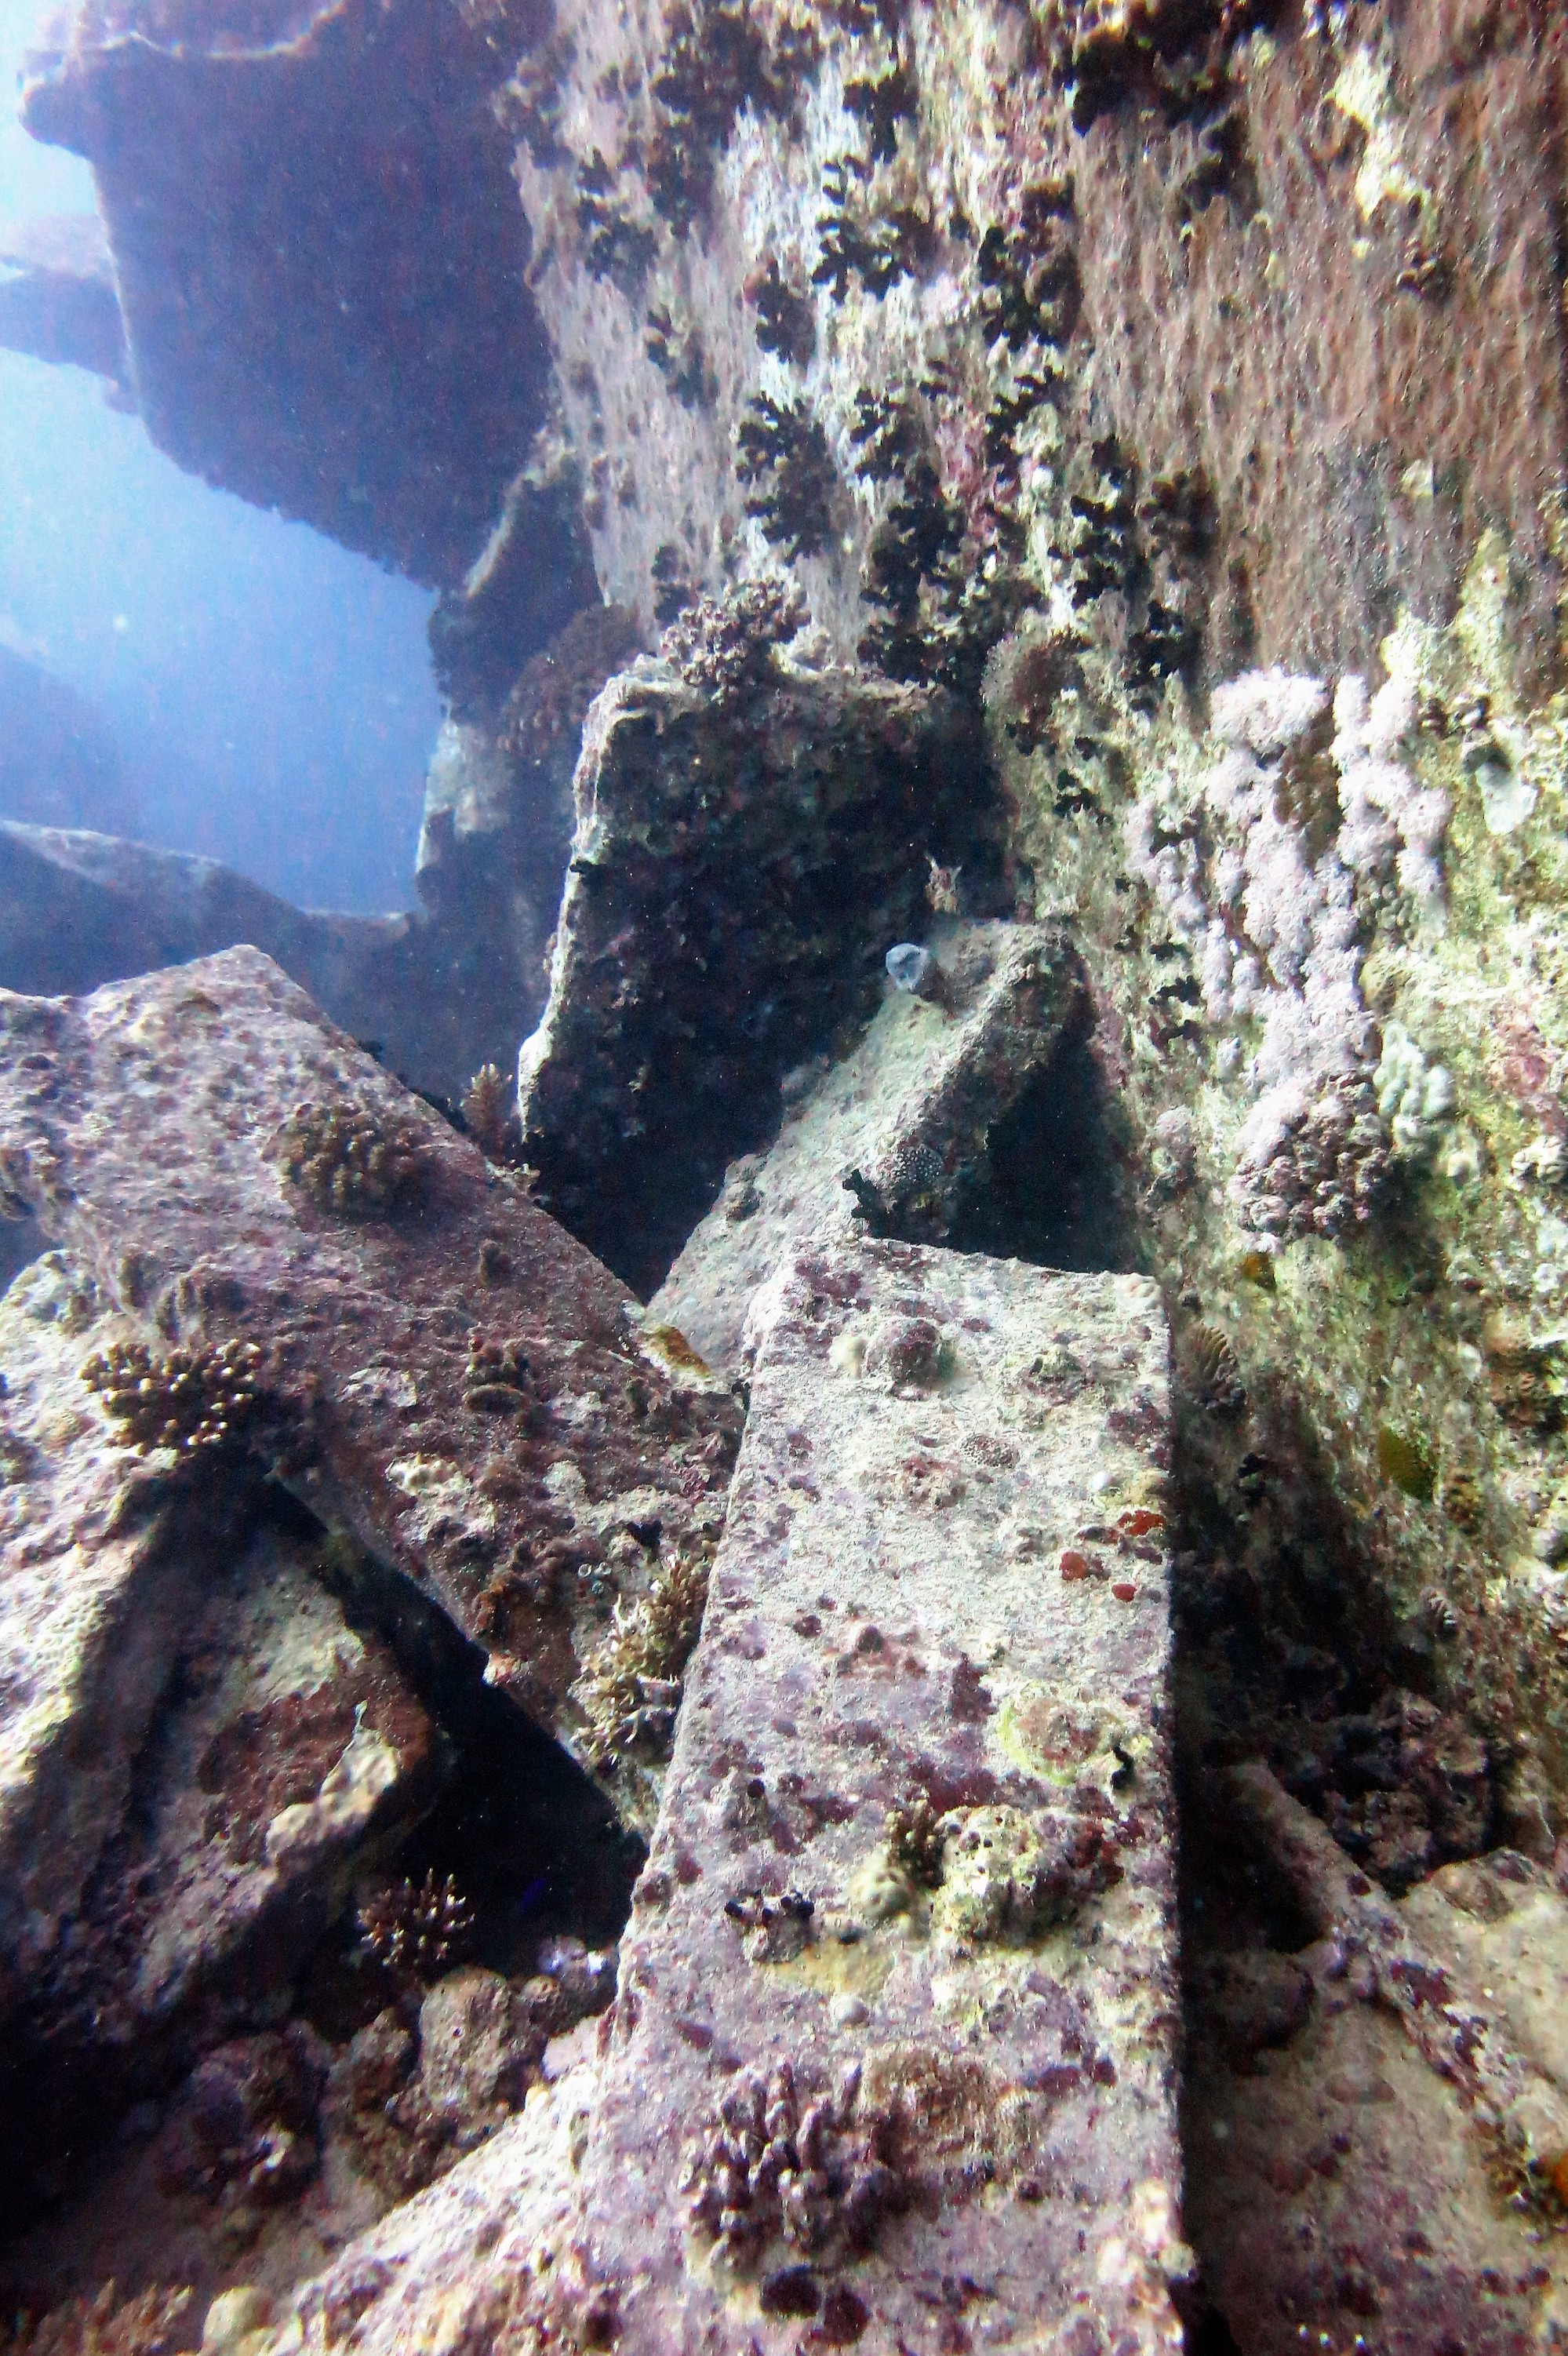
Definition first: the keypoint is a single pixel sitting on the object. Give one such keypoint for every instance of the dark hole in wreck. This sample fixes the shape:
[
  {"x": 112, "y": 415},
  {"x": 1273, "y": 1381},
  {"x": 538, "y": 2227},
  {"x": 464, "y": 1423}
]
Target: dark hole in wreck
[{"x": 1052, "y": 1188}]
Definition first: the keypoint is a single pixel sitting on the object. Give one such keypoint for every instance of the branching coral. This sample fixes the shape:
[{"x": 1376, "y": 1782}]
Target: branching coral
[
  {"x": 677, "y": 351},
  {"x": 414, "y": 1930},
  {"x": 1311, "y": 1164},
  {"x": 727, "y": 647},
  {"x": 1028, "y": 277},
  {"x": 914, "y": 1842},
  {"x": 489, "y": 1114},
  {"x": 352, "y": 1161},
  {"x": 192, "y": 1399},
  {"x": 820, "y": 2173},
  {"x": 631, "y": 1688}
]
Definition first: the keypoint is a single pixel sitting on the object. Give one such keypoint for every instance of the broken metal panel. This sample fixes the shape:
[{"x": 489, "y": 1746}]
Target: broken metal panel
[
  {"x": 442, "y": 1370},
  {"x": 895, "y": 2038},
  {"x": 60, "y": 303},
  {"x": 894, "y": 1138},
  {"x": 319, "y": 256},
  {"x": 170, "y": 1681}
]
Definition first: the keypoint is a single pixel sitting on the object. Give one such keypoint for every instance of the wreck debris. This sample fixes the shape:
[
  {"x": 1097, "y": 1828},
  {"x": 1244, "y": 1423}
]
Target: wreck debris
[
  {"x": 137, "y": 1152},
  {"x": 896, "y": 1138},
  {"x": 861, "y": 2126},
  {"x": 274, "y": 374},
  {"x": 206, "y": 1749},
  {"x": 706, "y": 945},
  {"x": 1442, "y": 2018}
]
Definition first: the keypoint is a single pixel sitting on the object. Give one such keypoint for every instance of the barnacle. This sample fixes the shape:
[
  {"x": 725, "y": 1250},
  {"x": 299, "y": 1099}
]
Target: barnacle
[
  {"x": 783, "y": 451},
  {"x": 1028, "y": 277},
  {"x": 1425, "y": 270},
  {"x": 497, "y": 1379},
  {"x": 614, "y": 245},
  {"x": 1107, "y": 46},
  {"x": 1214, "y": 1374},
  {"x": 865, "y": 17},
  {"x": 1438, "y": 1612},
  {"x": 678, "y": 353},
  {"x": 910, "y": 569},
  {"x": 104, "y": 2324},
  {"x": 532, "y": 103},
  {"x": 414, "y": 1928},
  {"x": 674, "y": 590},
  {"x": 1165, "y": 643},
  {"x": 786, "y": 317},
  {"x": 191, "y": 1399},
  {"x": 1177, "y": 513},
  {"x": 879, "y": 249},
  {"x": 881, "y": 103},
  {"x": 717, "y": 61},
  {"x": 887, "y": 432},
  {"x": 1043, "y": 673},
  {"x": 918, "y": 534},
  {"x": 353, "y": 1161},
  {"x": 1102, "y": 550}
]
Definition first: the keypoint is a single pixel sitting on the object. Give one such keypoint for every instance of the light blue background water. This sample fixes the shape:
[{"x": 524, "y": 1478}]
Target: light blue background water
[{"x": 270, "y": 696}]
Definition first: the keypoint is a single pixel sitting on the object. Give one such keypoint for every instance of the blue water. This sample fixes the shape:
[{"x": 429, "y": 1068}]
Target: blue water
[{"x": 268, "y": 695}]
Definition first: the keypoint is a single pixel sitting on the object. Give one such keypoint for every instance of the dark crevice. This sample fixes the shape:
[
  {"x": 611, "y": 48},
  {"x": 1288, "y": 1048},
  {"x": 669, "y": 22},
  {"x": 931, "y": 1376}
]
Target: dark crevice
[
  {"x": 21, "y": 1242},
  {"x": 532, "y": 1846},
  {"x": 1050, "y": 1189}
]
